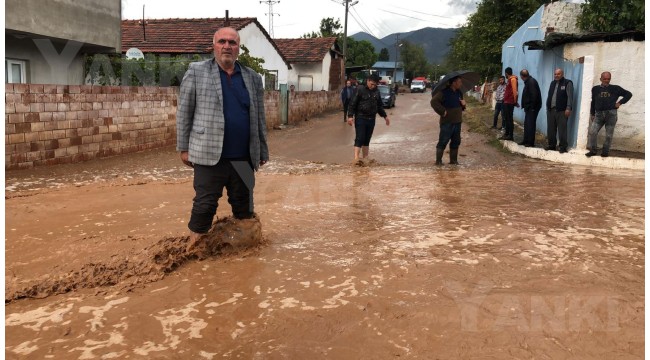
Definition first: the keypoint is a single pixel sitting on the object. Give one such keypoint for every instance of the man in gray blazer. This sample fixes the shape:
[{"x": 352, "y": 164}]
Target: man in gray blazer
[{"x": 221, "y": 131}]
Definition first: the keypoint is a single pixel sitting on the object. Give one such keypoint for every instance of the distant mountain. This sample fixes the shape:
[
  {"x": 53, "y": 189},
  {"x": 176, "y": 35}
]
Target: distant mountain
[{"x": 435, "y": 42}]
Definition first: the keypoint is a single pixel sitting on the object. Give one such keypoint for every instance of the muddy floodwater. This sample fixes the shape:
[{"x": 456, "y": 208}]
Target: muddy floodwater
[{"x": 501, "y": 257}]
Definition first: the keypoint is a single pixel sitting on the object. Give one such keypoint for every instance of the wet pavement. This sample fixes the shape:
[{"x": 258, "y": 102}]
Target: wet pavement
[{"x": 501, "y": 257}]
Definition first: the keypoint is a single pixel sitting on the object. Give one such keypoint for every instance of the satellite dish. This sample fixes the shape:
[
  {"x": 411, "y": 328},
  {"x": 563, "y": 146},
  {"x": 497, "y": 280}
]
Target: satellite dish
[{"x": 134, "y": 53}]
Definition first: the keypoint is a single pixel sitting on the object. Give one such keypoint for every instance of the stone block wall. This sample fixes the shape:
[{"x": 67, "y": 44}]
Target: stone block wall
[
  {"x": 58, "y": 124},
  {"x": 561, "y": 17}
]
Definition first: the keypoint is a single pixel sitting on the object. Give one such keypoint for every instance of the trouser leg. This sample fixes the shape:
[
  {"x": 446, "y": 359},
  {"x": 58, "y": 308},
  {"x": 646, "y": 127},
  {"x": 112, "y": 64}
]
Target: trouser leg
[
  {"x": 562, "y": 125},
  {"x": 594, "y": 128},
  {"x": 209, "y": 182},
  {"x": 551, "y": 128},
  {"x": 610, "y": 124},
  {"x": 240, "y": 189},
  {"x": 530, "y": 126}
]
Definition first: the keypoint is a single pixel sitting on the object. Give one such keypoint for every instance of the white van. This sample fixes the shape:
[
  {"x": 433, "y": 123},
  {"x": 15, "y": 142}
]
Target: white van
[
  {"x": 418, "y": 86},
  {"x": 387, "y": 79}
]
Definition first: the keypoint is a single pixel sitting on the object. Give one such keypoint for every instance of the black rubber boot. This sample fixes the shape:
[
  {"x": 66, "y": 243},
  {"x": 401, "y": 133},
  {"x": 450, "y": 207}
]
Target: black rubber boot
[
  {"x": 439, "y": 153},
  {"x": 453, "y": 156}
]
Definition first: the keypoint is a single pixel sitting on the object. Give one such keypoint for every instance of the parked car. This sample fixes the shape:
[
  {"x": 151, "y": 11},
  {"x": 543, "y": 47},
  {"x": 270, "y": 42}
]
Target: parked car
[{"x": 387, "y": 96}]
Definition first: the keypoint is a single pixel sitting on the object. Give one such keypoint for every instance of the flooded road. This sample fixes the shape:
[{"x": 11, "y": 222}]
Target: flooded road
[{"x": 501, "y": 257}]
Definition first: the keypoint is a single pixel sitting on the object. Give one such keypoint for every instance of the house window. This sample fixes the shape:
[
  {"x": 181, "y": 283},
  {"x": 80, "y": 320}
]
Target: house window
[
  {"x": 15, "y": 71},
  {"x": 271, "y": 80}
]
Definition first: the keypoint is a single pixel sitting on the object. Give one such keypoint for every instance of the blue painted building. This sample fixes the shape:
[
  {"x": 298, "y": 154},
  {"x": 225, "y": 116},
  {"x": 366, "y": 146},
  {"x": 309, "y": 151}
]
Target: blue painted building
[
  {"x": 387, "y": 68},
  {"x": 541, "y": 65}
]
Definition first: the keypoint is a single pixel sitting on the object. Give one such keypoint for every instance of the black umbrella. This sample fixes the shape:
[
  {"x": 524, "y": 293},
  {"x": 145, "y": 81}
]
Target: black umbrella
[{"x": 470, "y": 78}]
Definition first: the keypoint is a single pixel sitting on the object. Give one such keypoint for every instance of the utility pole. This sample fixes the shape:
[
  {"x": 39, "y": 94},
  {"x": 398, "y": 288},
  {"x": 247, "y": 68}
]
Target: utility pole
[
  {"x": 397, "y": 45},
  {"x": 345, "y": 29},
  {"x": 270, "y": 3}
]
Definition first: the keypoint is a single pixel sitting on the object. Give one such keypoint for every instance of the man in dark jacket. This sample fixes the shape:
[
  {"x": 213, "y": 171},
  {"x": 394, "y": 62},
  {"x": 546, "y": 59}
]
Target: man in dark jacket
[
  {"x": 531, "y": 103},
  {"x": 604, "y": 106},
  {"x": 346, "y": 96},
  {"x": 365, "y": 105},
  {"x": 559, "y": 104},
  {"x": 449, "y": 104}
]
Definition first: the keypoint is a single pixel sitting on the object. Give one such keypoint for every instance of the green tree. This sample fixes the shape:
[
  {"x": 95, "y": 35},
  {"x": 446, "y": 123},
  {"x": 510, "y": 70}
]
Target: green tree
[
  {"x": 252, "y": 62},
  {"x": 612, "y": 16},
  {"x": 328, "y": 28},
  {"x": 383, "y": 55},
  {"x": 360, "y": 53},
  {"x": 413, "y": 60},
  {"x": 477, "y": 45}
]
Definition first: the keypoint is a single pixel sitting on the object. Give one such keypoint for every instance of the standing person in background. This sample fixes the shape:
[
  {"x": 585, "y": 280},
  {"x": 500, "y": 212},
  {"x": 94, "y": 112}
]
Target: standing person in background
[
  {"x": 347, "y": 93},
  {"x": 364, "y": 107},
  {"x": 221, "y": 131},
  {"x": 559, "y": 104},
  {"x": 498, "y": 107},
  {"x": 509, "y": 103},
  {"x": 531, "y": 103},
  {"x": 604, "y": 111},
  {"x": 449, "y": 104}
]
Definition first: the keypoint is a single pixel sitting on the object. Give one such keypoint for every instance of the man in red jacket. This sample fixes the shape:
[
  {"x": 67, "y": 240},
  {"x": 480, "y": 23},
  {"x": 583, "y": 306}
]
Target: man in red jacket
[{"x": 509, "y": 103}]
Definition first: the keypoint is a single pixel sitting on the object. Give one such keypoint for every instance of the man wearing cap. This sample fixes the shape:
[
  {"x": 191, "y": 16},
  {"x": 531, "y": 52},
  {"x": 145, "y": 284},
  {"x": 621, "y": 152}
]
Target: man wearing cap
[{"x": 364, "y": 107}]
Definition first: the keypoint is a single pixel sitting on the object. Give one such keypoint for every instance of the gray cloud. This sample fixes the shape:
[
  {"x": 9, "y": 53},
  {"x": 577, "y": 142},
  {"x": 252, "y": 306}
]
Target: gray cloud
[{"x": 463, "y": 6}]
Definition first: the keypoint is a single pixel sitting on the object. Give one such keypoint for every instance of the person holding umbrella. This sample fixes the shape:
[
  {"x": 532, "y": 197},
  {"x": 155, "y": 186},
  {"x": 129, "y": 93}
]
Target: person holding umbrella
[{"x": 449, "y": 104}]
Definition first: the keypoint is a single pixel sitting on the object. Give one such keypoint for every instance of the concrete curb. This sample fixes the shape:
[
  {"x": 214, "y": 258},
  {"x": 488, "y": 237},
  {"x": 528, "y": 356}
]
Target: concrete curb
[{"x": 576, "y": 157}]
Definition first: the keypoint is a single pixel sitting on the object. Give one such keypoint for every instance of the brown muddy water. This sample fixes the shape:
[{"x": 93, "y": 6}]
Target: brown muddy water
[{"x": 502, "y": 257}]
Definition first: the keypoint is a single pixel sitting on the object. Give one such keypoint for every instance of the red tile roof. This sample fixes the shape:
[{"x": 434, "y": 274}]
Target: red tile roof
[
  {"x": 182, "y": 36},
  {"x": 176, "y": 36},
  {"x": 306, "y": 50}
]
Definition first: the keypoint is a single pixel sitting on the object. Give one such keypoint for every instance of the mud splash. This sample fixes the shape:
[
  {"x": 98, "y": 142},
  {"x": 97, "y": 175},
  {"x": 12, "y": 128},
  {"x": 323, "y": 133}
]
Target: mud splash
[{"x": 227, "y": 236}]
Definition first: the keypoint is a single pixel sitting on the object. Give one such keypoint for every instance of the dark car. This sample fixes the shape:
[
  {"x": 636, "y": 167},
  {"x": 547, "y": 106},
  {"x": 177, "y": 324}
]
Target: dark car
[{"x": 387, "y": 96}]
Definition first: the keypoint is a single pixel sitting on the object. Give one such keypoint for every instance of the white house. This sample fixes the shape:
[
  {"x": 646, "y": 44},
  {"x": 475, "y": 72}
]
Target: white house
[
  {"x": 194, "y": 37},
  {"x": 316, "y": 64}
]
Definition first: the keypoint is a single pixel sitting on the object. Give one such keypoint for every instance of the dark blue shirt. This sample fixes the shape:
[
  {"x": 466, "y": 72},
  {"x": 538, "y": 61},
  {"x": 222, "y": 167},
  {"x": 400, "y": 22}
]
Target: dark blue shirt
[{"x": 236, "y": 111}]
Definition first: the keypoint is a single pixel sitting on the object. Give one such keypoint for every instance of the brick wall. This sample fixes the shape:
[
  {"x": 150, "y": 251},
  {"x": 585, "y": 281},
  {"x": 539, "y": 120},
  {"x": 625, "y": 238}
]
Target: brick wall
[{"x": 58, "y": 124}]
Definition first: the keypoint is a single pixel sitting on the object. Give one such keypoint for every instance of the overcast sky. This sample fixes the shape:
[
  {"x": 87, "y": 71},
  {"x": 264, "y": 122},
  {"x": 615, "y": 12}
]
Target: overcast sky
[{"x": 294, "y": 18}]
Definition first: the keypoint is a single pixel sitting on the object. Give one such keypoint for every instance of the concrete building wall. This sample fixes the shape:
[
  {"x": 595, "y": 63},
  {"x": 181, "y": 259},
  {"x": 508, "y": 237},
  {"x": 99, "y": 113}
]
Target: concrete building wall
[
  {"x": 94, "y": 22},
  {"x": 62, "y": 68},
  {"x": 626, "y": 61},
  {"x": 259, "y": 46},
  {"x": 306, "y": 77}
]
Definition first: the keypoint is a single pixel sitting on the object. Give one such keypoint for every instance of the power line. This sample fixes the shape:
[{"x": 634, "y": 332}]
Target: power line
[{"x": 423, "y": 13}]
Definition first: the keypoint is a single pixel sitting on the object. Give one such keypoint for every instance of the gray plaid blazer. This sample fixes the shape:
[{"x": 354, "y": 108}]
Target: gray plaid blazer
[{"x": 200, "y": 119}]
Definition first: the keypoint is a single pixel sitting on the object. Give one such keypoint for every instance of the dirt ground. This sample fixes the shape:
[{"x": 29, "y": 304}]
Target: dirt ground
[{"x": 501, "y": 257}]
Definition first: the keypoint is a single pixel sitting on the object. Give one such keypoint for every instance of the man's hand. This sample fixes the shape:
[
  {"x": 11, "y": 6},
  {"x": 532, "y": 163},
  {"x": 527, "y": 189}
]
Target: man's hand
[
  {"x": 350, "y": 121},
  {"x": 262, "y": 162},
  {"x": 184, "y": 158},
  {"x": 387, "y": 121},
  {"x": 567, "y": 113}
]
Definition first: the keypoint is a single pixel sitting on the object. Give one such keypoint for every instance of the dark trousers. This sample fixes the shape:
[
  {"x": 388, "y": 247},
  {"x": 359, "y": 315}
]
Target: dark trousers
[
  {"x": 508, "y": 110},
  {"x": 449, "y": 132},
  {"x": 557, "y": 124},
  {"x": 530, "y": 125},
  {"x": 498, "y": 108},
  {"x": 363, "y": 130},
  {"x": 346, "y": 105},
  {"x": 236, "y": 176}
]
